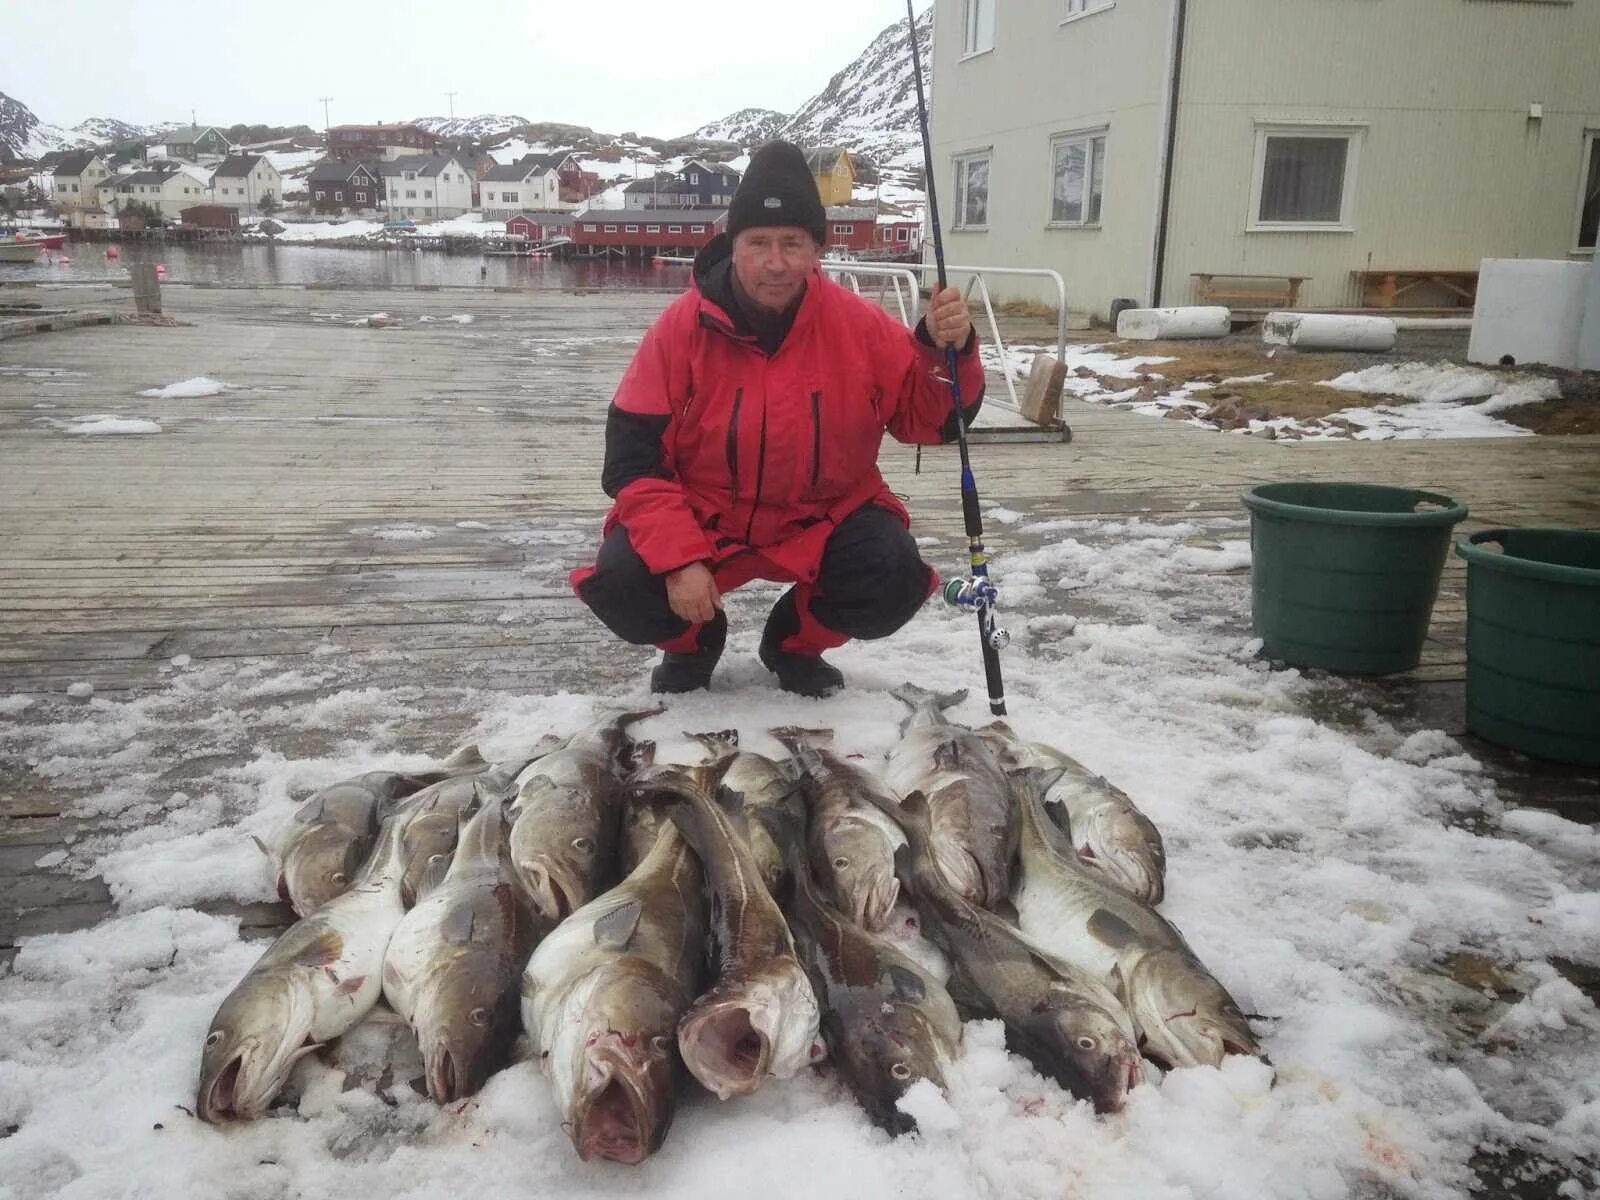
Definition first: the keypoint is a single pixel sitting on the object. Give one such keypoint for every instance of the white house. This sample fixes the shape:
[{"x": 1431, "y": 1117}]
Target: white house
[
  {"x": 76, "y": 182},
  {"x": 167, "y": 193},
  {"x": 1307, "y": 140},
  {"x": 529, "y": 183},
  {"x": 427, "y": 186},
  {"x": 245, "y": 180}
]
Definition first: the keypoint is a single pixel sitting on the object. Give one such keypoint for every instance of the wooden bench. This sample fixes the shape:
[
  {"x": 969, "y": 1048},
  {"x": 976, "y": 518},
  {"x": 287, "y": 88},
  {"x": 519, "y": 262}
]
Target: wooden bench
[
  {"x": 1383, "y": 288},
  {"x": 1255, "y": 291}
]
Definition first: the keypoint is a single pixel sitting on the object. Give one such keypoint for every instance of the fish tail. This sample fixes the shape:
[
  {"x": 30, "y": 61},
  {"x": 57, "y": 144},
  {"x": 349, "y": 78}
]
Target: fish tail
[
  {"x": 915, "y": 697},
  {"x": 718, "y": 742}
]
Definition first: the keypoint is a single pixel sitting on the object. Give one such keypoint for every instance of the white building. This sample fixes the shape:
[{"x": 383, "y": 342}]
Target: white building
[
  {"x": 530, "y": 183},
  {"x": 76, "y": 183},
  {"x": 1138, "y": 145},
  {"x": 427, "y": 186},
  {"x": 245, "y": 180},
  {"x": 167, "y": 193}
]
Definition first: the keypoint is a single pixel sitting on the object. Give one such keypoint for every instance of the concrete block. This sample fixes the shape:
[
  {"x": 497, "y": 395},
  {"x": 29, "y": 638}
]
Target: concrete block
[
  {"x": 1041, "y": 399},
  {"x": 1156, "y": 324},
  {"x": 1529, "y": 310},
  {"x": 1328, "y": 331}
]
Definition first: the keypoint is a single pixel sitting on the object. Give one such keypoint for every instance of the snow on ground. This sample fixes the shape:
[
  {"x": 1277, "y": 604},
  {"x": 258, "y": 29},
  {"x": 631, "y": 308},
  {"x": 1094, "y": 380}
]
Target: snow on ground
[
  {"x": 1439, "y": 395},
  {"x": 110, "y": 423},
  {"x": 187, "y": 389},
  {"x": 327, "y": 231},
  {"x": 1321, "y": 865}
]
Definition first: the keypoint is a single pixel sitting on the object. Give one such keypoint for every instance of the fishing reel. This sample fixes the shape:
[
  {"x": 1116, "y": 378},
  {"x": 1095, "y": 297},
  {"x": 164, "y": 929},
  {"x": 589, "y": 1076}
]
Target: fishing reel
[{"x": 980, "y": 596}]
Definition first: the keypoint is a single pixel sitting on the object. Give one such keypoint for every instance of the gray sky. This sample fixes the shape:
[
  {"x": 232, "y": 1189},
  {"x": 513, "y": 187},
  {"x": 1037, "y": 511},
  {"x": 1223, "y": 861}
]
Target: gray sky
[{"x": 662, "y": 69}]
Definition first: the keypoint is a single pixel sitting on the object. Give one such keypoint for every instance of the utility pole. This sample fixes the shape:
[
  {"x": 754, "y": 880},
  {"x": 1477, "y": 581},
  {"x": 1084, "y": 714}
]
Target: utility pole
[
  {"x": 452, "y": 97},
  {"x": 326, "y": 100}
]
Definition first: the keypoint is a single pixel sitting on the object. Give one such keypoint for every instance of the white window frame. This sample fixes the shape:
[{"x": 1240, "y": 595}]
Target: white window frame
[
  {"x": 610, "y": 229},
  {"x": 975, "y": 27},
  {"x": 588, "y": 228},
  {"x": 697, "y": 229},
  {"x": 1353, "y": 133},
  {"x": 962, "y": 162},
  {"x": 1087, "y": 137},
  {"x": 674, "y": 228},
  {"x": 319, "y": 196},
  {"x": 1077, "y": 10},
  {"x": 1591, "y": 154},
  {"x": 630, "y": 229},
  {"x": 652, "y": 229},
  {"x": 361, "y": 197},
  {"x": 844, "y": 231}
]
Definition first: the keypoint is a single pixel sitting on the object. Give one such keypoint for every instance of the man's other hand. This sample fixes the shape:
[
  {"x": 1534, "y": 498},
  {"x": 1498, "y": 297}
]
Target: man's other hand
[
  {"x": 949, "y": 325},
  {"x": 692, "y": 593}
]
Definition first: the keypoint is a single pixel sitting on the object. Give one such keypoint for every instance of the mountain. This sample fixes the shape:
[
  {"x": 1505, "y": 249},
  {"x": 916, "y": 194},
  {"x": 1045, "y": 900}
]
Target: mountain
[
  {"x": 479, "y": 128},
  {"x": 108, "y": 131},
  {"x": 24, "y": 136},
  {"x": 871, "y": 106},
  {"x": 747, "y": 127}
]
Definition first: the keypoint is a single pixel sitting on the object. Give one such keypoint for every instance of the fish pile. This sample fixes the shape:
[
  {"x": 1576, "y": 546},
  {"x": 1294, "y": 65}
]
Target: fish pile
[{"x": 624, "y": 922}]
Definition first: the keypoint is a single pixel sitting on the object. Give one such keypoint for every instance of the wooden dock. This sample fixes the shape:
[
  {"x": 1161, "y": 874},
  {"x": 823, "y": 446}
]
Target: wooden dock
[{"x": 376, "y": 504}]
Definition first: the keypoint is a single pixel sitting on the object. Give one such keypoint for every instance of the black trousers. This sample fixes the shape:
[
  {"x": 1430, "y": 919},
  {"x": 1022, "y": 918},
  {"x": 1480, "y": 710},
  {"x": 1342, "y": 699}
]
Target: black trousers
[{"x": 871, "y": 582}]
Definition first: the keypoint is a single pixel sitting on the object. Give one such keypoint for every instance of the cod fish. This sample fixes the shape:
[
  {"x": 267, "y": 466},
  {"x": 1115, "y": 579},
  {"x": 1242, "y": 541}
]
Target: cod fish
[
  {"x": 565, "y": 816},
  {"x": 760, "y": 1017},
  {"x": 1183, "y": 1015},
  {"x": 333, "y": 830},
  {"x": 850, "y": 840},
  {"x": 316, "y": 981},
  {"x": 454, "y": 962},
  {"x": 887, "y": 1022},
  {"x": 1065, "y": 1021},
  {"x": 641, "y": 822},
  {"x": 1111, "y": 835},
  {"x": 762, "y": 797},
  {"x": 602, "y": 997},
  {"x": 433, "y": 818},
  {"x": 957, "y": 769}
]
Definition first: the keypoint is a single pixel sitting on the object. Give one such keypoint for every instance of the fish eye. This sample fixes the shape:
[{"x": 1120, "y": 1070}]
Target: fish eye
[
  {"x": 337, "y": 877},
  {"x": 434, "y": 858},
  {"x": 213, "y": 1037},
  {"x": 583, "y": 844},
  {"x": 660, "y": 1043},
  {"x": 1086, "y": 1043},
  {"x": 900, "y": 1071},
  {"x": 479, "y": 1016},
  {"x": 840, "y": 863}
]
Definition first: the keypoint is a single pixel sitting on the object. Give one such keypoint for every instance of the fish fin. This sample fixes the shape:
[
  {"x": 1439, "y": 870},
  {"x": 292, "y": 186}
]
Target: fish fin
[
  {"x": 1117, "y": 984},
  {"x": 624, "y": 719},
  {"x": 262, "y": 846},
  {"x": 349, "y": 985},
  {"x": 614, "y": 930},
  {"x": 908, "y": 985},
  {"x": 641, "y": 755},
  {"x": 915, "y": 697},
  {"x": 998, "y": 729},
  {"x": 432, "y": 875},
  {"x": 795, "y": 739},
  {"x": 468, "y": 756},
  {"x": 1111, "y": 930},
  {"x": 717, "y": 742},
  {"x": 947, "y": 755},
  {"x": 458, "y": 925},
  {"x": 324, "y": 950}
]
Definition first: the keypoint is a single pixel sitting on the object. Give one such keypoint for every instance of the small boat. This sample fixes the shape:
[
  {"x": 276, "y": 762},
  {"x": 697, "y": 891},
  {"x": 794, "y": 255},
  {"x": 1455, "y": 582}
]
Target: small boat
[
  {"x": 51, "y": 241},
  {"x": 19, "y": 252}
]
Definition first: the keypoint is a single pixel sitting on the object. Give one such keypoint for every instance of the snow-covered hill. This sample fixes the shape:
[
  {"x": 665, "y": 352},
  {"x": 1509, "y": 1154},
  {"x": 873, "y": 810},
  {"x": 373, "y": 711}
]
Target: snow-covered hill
[
  {"x": 24, "y": 136},
  {"x": 107, "y": 131},
  {"x": 747, "y": 127},
  {"x": 479, "y": 128}
]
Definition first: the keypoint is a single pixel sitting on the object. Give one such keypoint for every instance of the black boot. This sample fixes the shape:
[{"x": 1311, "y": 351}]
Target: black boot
[
  {"x": 802, "y": 674},
  {"x": 691, "y": 672}
]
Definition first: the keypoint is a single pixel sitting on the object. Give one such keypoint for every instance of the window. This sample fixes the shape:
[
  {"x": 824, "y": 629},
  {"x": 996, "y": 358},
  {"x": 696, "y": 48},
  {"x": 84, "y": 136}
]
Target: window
[
  {"x": 630, "y": 229},
  {"x": 411, "y": 193},
  {"x": 1077, "y": 179},
  {"x": 1304, "y": 178},
  {"x": 361, "y": 197},
  {"x": 611, "y": 228},
  {"x": 427, "y": 193},
  {"x": 511, "y": 197},
  {"x": 978, "y": 27},
  {"x": 74, "y": 187},
  {"x": 694, "y": 177},
  {"x": 652, "y": 229},
  {"x": 1589, "y": 203},
  {"x": 317, "y": 196},
  {"x": 843, "y": 230},
  {"x": 972, "y": 191},
  {"x": 674, "y": 228},
  {"x": 588, "y": 228},
  {"x": 410, "y": 175},
  {"x": 697, "y": 229},
  {"x": 902, "y": 235}
]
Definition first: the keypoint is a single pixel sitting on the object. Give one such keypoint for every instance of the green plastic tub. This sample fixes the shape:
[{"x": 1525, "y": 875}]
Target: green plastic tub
[
  {"x": 1533, "y": 641},
  {"x": 1344, "y": 575}
]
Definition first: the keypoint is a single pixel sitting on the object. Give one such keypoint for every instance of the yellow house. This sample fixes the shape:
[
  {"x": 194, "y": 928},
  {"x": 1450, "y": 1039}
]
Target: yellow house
[{"x": 835, "y": 173}]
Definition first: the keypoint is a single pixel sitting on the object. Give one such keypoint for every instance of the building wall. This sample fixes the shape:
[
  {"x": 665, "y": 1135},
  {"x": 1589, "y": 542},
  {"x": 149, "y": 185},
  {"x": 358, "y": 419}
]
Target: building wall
[
  {"x": 88, "y": 184},
  {"x": 246, "y": 192},
  {"x": 538, "y": 192},
  {"x": 593, "y": 231},
  {"x": 451, "y": 188},
  {"x": 1450, "y": 168},
  {"x": 1046, "y": 77}
]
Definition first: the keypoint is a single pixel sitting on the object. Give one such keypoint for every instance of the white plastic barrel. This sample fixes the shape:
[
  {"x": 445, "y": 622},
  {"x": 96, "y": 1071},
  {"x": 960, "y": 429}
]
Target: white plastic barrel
[
  {"x": 1328, "y": 331},
  {"x": 1155, "y": 324}
]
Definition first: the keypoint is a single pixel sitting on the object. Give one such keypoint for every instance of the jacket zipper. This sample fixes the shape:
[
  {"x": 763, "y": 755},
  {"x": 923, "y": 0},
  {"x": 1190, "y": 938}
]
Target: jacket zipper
[
  {"x": 733, "y": 442},
  {"x": 761, "y": 471},
  {"x": 816, "y": 437}
]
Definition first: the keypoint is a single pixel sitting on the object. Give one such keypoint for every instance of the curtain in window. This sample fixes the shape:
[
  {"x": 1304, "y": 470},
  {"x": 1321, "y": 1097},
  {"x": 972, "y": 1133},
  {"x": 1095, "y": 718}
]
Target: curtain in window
[
  {"x": 1067, "y": 200},
  {"x": 973, "y": 188},
  {"x": 1303, "y": 178}
]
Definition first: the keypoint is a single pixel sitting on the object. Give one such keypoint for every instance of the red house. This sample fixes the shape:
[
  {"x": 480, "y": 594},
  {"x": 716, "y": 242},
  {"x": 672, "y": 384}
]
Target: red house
[
  {"x": 899, "y": 237},
  {"x": 539, "y": 226},
  {"x": 646, "y": 232},
  {"x": 379, "y": 141},
  {"x": 211, "y": 216},
  {"x": 851, "y": 229}
]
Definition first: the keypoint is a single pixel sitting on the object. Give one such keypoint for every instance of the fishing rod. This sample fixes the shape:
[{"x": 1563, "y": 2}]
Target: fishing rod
[{"x": 975, "y": 592}]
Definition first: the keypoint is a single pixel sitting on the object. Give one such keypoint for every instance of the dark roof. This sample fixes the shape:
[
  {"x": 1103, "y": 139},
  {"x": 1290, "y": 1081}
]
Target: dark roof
[
  {"x": 542, "y": 216},
  {"x": 142, "y": 177},
  {"x": 655, "y": 216},
  {"x": 187, "y": 137},
  {"x": 422, "y": 164},
  {"x": 339, "y": 170},
  {"x": 823, "y": 158},
  {"x": 238, "y": 166},
  {"x": 74, "y": 163},
  {"x": 530, "y": 164},
  {"x": 670, "y": 184}
]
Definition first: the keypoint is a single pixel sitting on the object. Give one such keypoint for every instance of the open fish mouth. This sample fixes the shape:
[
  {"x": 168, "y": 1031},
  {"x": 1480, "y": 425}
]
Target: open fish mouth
[
  {"x": 444, "y": 1077},
  {"x": 221, "y": 1099},
  {"x": 554, "y": 895},
  {"x": 614, "y": 1119},
  {"x": 962, "y": 872},
  {"x": 876, "y": 901},
  {"x": 724, "y": 1050}
]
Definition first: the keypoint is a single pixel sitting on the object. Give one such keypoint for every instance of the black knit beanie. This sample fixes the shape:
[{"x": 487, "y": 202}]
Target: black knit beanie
[{"x": 778, "y": 189}]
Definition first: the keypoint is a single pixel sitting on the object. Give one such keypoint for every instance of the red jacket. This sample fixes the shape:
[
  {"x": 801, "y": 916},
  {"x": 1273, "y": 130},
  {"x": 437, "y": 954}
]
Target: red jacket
[{"x": 713, "y": 446}]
